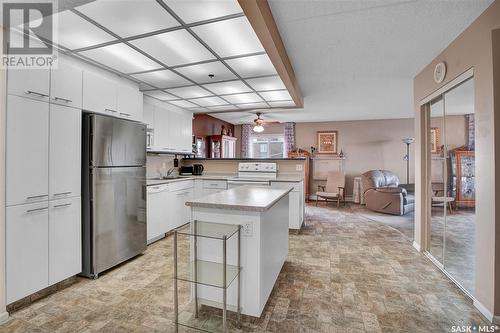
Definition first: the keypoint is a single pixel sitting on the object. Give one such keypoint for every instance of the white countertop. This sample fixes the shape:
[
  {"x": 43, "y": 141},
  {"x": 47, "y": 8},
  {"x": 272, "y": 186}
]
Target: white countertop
[
  {"x": 226, "y": 176},
  {"x": 247, "y": 198}
]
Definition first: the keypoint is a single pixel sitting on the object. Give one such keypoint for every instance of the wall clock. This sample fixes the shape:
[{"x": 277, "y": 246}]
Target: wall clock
[{"x": 440, "y": 72}]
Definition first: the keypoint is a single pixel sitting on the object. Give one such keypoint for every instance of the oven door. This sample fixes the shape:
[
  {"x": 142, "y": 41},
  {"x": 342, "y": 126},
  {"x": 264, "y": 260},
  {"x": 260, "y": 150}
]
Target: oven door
[{"x": 235, "y": 183}]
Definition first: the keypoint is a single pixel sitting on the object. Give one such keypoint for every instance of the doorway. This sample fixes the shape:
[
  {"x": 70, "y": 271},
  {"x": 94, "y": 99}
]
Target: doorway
[{"x": 451, "y": 138}]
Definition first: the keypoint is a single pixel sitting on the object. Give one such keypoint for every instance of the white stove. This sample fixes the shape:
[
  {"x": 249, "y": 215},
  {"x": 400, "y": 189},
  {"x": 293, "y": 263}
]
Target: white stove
[{"x": 254, "y": 173}]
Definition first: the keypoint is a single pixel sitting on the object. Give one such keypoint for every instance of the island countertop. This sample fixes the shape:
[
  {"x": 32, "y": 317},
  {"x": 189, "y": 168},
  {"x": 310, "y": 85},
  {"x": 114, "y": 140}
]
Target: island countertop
[{"x": 245, "y": 198}]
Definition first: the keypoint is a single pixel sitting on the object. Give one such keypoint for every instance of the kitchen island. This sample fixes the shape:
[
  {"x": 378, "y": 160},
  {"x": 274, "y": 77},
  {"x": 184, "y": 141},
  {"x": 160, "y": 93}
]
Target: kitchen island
[{"x": 263, "y": 216}]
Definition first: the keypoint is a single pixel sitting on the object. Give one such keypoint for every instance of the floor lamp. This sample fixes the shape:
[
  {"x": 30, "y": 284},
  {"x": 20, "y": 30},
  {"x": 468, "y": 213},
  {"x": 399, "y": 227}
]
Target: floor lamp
[{"x": 408, "y": 142}]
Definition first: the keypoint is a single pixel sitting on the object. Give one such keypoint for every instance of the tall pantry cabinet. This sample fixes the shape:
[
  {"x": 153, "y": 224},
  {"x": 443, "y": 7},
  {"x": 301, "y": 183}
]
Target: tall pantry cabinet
[{"x": 43, "y": 168}]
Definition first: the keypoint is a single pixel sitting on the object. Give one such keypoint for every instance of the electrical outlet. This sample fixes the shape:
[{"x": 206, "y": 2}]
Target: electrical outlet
[
  {"x": 298, "y": 167},
  {"x": 247, "y": 229}
]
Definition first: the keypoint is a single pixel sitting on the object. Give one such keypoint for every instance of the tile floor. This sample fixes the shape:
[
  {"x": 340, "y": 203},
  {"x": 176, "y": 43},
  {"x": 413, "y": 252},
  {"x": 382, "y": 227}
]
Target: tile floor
[{"x": 345, "y": 273}]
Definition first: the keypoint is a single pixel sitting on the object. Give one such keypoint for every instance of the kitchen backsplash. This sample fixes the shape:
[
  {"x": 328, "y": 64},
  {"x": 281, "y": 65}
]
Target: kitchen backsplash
[{"x": 158, "y": 163}]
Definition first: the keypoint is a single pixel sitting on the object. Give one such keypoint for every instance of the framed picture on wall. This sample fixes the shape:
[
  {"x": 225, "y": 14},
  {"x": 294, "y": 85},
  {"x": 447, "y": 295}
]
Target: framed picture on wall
[
  {"x": 434, "y": 140},
  {"x": 327, "y": 142}
]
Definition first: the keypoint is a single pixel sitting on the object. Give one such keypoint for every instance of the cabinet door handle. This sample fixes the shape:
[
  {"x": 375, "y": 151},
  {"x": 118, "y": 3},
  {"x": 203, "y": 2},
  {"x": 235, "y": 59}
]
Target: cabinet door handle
[
  {"x": 36, "y": 210},
  {"x": 62, "y": 99},
  {"x": 125, "y": 114},
  {"x": 109, "y": 110},
  {"x": 62, "y": 205},
  {"x": 37, "y": 196},
  {"x": 62, "y": 193},
  {"x": 183, "y": 193},
  {"x": 31, "y": 92}
]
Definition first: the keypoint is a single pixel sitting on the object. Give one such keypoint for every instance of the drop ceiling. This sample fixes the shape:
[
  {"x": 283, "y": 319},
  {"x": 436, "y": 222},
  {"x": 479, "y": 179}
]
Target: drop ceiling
[
  {"x": 199, "y": 55},
  {"x": 356, "y": 59}
]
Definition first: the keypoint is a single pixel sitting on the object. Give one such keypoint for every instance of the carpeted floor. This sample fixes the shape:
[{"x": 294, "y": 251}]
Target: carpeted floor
[{"x": 344, "y": 273}]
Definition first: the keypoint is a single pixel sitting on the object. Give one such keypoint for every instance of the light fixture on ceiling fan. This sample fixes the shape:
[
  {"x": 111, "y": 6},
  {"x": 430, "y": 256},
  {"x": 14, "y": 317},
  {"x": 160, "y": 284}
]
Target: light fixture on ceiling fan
[{"x": 258, "y": 128}]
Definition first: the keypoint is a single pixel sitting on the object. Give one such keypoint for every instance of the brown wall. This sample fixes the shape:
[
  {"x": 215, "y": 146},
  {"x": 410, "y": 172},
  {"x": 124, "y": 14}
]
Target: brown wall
[
  {"x": 472, "y": 49},
  {"x": 205, "y": 125},
  {"x": 368, "y": 144}
]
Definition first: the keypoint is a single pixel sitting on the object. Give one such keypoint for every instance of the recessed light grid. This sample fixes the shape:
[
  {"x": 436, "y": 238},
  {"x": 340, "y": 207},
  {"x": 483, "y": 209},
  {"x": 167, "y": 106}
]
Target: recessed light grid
[{"x": 200, "y": 59}]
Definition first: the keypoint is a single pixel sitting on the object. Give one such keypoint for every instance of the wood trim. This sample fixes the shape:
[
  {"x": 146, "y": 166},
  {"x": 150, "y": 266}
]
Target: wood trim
[{"x": 261, "y": 18}]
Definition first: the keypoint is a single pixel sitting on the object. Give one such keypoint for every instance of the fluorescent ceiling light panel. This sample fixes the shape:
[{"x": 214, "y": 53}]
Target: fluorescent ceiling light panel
[
  {"x": 74, "y": 32},
  {"x": 174, "y": 48},
  {"x": 258, "y": 65},
  {"x": 243, "y": 98},
  {"x": 122, "y": 58},
  {"x": 129, "y": 17},
  {"x": 221, "y": 108},
  {"x": 278, "y": 95},
  {"x": 209, "y": 101},
  {"x": 194, "y": 11},
  {"x": 183, "y": 104},
  {"x": 230, "y": 87},
  {"x": 189, "y": 92},
  {"x": 161, "y": 95},
  {"x": 266, "y": 83},
  {"x": 259, "y": 105},
  {"x": 199, "y": 73},
  {"x": 282, "y": 104},
  {"x": 230, "y": 37},
  {"x": 162, "y": 79}
]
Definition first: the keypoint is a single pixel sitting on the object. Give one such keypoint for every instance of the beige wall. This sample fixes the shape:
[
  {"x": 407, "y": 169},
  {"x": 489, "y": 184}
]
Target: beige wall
[
  {"x": 368, "y": 145},
  {"x": 472, "y": 49}
]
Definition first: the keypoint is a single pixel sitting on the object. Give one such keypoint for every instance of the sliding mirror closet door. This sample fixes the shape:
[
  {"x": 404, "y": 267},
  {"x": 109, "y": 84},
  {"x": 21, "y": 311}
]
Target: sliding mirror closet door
[
  {"x": 459, "y": 248},
  {"x": 438, "y": 179}
]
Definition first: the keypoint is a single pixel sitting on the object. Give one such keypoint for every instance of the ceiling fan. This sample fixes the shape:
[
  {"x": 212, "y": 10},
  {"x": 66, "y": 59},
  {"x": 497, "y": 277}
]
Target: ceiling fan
[{"x": 259, "y": 122}]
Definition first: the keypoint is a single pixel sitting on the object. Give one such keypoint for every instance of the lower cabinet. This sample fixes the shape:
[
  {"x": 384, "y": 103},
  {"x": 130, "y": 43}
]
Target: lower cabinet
[
  {"x": 27, "y": 243},
  {"x": 65, "y": 234},
  {"x": 166, "y": 207},
  {"x": 296, "y": 202},
  {"x": 43, "y": 245}
]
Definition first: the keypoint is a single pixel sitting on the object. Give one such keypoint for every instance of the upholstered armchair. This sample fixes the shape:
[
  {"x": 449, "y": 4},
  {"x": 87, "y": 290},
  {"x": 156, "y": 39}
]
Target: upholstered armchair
[
  {"x": 334, "y": 189},
  {"x": 383, "y": 194}
]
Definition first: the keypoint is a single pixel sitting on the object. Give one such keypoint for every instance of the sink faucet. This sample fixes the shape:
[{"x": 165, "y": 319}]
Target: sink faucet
[{"x": 170, "y": 171}]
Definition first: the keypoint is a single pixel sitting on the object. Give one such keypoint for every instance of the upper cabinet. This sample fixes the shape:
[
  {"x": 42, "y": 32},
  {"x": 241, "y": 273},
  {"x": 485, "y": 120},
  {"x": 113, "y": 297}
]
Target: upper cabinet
[
  {"x": 112, "y": 97},
  {"x": 99, "y": 94},
  {"x": 66, "y": 85},
  {"x": 29, "y": 83},
  {"x": 171, "y": 129}
]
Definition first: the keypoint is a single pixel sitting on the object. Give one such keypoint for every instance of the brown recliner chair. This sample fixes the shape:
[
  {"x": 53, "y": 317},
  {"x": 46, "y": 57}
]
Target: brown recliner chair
[{"x": 383, "y": 194}]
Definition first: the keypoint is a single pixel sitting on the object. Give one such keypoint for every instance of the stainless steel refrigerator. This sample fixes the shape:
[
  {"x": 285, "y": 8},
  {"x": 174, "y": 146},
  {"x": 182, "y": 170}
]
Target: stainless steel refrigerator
[{"x": 114, "y": 192}]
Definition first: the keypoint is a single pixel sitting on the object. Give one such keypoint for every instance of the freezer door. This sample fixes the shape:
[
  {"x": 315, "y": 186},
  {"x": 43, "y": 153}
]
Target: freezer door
[
  {"x": 118, "y": 215},
  {"x": 117, "y": 142}
]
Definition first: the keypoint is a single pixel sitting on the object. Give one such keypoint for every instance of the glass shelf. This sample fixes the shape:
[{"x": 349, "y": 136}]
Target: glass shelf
[
  {"x": 209, "y": 273},
  {"x": 209, "y": 229}
]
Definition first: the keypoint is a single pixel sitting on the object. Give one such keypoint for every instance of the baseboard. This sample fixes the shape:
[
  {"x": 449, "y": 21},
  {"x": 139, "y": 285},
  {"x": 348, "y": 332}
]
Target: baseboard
[
  {"x": 4, "y": 316},
  {"x": 417, "y": 246},
  {"x": 486, "y": 313}
]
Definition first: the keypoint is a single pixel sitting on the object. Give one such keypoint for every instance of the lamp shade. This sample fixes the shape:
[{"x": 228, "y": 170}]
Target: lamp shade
[{"x": 258, "y": 128}]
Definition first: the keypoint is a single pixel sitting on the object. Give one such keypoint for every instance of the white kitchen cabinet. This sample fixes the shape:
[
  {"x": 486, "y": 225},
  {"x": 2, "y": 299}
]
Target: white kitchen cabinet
[
  {"x": 66, "y": 85},
  {"x": 128, "y": 102},
  {"x": 27, "y": 150},
  {"x": 64, "y": 152},
  {"x": 180, "y": 192},
  {"x": 29, "y": 83},
  {"x": 27, "y": 244},
  {"x": 99, "y": 94},
  {"x": 158, "y": 211},
  {"x": 296, "y": 202},
  {"x": 172, "y": 130},
  {"x": 65, "y": 239},
  {"x": 213, "y": 186}
]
